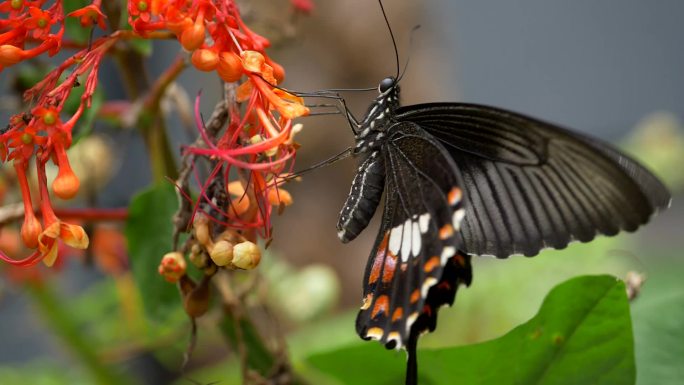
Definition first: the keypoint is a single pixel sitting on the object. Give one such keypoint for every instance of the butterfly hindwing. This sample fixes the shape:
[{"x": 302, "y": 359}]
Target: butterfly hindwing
[
  {"x": 417, "y": 238},
  {"x": 532, "y": 185}
]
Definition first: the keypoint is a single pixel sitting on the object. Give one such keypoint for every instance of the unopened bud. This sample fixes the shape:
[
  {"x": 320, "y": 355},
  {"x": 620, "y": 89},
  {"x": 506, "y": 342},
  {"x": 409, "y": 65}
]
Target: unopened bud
[
  {"x": 66, "y": 184},
  {"x": 193, "y": 37},
  {"x": 172, "y": 266},
  {"x": 204, "y": 59},
  {"x": 201, "y": 226},
  {"x": 246, "y": 255},
  {"x": 10, "y": 55},
  {"x": 221, "y": 253},
  {"x": 229, "y": 67},
  {"x": 30, "y": 230},
  {"x": 279, "y": 196}
]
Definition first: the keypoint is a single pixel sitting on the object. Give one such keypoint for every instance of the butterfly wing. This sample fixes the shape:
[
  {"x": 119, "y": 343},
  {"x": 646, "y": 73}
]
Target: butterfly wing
[
  {"x": 532, "y": 185},
  {"x": 414, "y": 267}
]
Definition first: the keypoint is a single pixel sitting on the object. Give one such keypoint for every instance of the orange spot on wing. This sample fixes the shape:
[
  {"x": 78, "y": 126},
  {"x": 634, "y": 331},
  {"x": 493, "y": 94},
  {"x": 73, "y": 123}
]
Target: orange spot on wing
[
  {"x": 398, "y": 313},
  {"x": 427, "y": 309},
  {"x": 431, "y": 264},
  {"x": 454, "y": 196},
  {"x": 381, "y": 305},
  {"x": 383, "y": 258},
  {"x": 444, "y": 285},
  {"x": 415, "y": 296},
  {"x": 446, "y": 231}
]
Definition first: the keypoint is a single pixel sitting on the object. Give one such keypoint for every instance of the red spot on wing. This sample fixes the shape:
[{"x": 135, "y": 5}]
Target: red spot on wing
[
  {"x": 381, "y": 305},
  {"x": 385, "y": 262}
]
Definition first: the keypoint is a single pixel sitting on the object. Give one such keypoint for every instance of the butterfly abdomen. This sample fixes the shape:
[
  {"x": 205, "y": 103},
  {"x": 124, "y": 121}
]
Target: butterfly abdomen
[{"x": 363, "y": 198}]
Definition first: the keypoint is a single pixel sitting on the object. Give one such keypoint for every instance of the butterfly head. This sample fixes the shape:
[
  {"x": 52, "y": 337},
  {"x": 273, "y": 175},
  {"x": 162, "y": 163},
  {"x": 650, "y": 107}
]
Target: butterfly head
[{"x": 379, "y": 116}]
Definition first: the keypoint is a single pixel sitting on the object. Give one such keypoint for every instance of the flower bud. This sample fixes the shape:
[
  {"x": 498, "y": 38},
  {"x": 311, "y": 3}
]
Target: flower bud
[
  {"x": 204, "y": 59},
  {"x": 246, "y": 255},
  {"x": 278, "y": 197},
  {"x": 30, "y": 230},
  {"x": 229, "y": 67},
  {"x": 177, "y": 27},
  {"x": 278, "y": 70},
  {"x": 172, "y": 266},
  {"x": 66, "y": 183},
  {"x": 193, "y": 37},
  {"x": 221, "y": 253},
  {"x": 10, "y": 55},
  {"x": 201, "y": 226}
]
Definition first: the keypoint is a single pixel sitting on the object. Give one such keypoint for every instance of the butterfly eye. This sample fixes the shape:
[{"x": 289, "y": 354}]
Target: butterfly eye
[{"x": 386, "y": 84}]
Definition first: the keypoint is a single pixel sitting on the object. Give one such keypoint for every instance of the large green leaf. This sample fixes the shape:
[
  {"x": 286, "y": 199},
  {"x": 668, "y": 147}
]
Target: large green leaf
[
  {"x": 658, "y": 315},
  {"x": 581, "y": 335},
  {"x": 148, "y": 231}
]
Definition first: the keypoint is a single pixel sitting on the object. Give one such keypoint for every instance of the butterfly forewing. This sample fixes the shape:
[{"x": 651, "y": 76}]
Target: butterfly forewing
[
  {"x": 532, "y": 185},
  {"x": 417, "y": 238}
]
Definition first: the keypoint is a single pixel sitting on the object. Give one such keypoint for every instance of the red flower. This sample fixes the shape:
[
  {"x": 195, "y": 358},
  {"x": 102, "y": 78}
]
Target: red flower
[
  {"x": 90, "y": 15},
  {"x": 40, "y": 22}
]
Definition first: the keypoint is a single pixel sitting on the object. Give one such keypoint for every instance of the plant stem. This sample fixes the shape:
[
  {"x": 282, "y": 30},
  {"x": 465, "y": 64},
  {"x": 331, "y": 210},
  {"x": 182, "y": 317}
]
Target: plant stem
[{"x": 62, "y": 323}]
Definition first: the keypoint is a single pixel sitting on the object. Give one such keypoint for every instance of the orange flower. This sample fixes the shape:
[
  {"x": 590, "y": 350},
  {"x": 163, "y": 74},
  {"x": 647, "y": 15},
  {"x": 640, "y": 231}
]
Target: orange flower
[
  {"x": 72, "y": 235},
  {"x": 90, "y": 15}
]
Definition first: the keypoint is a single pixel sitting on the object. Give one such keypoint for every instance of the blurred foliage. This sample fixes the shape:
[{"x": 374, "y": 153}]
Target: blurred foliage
[{"x": 148, "y": 231}]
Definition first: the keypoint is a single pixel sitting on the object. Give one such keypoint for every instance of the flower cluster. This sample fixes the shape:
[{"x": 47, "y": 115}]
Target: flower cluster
[
  {"x": 29, "y": 29},
  {"x": 257, "y": 142},
  {"x": 255, "y": 148}
]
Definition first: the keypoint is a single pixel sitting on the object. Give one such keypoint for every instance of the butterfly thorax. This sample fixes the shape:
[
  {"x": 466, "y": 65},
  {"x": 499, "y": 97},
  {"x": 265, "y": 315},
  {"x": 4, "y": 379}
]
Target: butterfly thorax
[{"x": 378, "y": 118}]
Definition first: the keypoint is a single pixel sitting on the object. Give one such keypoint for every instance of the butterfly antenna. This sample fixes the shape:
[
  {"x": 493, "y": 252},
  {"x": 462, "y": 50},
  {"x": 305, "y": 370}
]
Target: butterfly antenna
[
  {"x": 342, "y": 155},
  {"x": 408, "y": 58},
  {"x": 394, "y": 42}
]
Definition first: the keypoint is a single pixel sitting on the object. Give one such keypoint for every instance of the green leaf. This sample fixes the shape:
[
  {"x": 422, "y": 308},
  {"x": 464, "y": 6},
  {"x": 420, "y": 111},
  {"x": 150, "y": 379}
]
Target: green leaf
[
  {"x": 658, "y": 332},
  {"x": 148, "y": 230},
  {"x": 581, "y": 335}
]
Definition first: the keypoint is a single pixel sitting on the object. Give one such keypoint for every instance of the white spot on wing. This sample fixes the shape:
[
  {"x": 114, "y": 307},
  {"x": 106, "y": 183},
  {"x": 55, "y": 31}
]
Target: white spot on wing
[
  {"x": 340, "y": 234},
  {"x": 427, "y": 284},
  {"x": 457, "y": 217},
  {"x": 415, "y": 240},
  {"x": 395, "y": 240},
  {"x": 410, "y": 320},
  {"x": 424, "y": 222},
  {"x": 447, "y": 252},
  {"x": 406, "y": 241}
]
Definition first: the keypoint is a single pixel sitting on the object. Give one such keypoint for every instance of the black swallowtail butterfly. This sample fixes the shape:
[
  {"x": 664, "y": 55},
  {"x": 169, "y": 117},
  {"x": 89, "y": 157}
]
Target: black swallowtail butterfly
[{"x": 464, "y": 179}]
